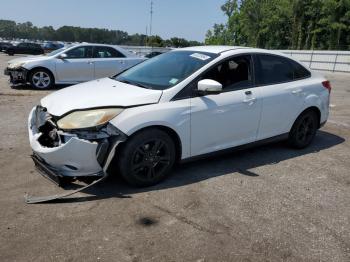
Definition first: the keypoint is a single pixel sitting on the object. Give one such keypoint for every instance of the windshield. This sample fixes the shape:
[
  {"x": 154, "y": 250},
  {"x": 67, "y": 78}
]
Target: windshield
[
  {"x": 57, "y": 51},
  {"x": 166, "y": 70}
]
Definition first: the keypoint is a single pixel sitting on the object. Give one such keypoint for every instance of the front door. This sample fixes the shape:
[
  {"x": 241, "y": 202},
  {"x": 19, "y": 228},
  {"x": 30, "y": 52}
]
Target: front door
[
  {"x": 76, "y": 67},
  {"x": 22, "y": 48},
  {"x": 230, "y": 118}
]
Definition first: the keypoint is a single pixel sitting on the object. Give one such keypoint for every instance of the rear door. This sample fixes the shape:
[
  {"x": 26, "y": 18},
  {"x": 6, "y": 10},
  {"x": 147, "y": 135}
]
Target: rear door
[
  {"x": 77, "y": 66},
  {"x": 107, "y": 61},
  {"x": 282, "y": 91}
]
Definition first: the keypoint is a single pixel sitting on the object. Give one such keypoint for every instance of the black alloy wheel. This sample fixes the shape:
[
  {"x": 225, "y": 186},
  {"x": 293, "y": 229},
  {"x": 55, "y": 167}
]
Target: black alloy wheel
[
  {"x": 304, "y": 130},
  {"x": 147, "y": 158}
]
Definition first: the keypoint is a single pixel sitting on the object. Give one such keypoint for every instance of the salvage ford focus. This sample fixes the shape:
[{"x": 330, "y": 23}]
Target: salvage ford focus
[{"x": 177, "y": 106}]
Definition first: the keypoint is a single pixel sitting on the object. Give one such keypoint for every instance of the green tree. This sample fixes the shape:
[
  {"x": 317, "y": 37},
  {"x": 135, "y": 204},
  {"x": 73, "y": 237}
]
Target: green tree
[
  {"x": 284, "y": 24},
  {"x": 10, "y": 29}
]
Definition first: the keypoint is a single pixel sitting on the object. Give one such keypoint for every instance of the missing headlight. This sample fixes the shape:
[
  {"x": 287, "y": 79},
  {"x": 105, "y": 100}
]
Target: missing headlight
[{"x": 49, "y": 137}]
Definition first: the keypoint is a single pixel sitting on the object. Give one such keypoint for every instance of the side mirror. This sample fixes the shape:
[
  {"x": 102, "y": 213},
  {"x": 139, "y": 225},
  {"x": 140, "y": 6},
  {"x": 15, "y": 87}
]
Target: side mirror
[
  {"x": 209, "y": 87},
  {"x": 62, "y": 56}
]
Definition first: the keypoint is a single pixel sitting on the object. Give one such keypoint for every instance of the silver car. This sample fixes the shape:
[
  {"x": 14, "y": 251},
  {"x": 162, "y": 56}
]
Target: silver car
[{"x": 70, "y": 65}]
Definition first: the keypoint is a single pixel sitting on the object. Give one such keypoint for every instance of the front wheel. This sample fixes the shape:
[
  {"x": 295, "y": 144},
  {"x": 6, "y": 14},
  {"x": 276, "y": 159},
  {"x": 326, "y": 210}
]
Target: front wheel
[
  {"x": 41, "y": 79},
  {"x": 147, "y": 158},
  {"x": 303, "y": 130}
]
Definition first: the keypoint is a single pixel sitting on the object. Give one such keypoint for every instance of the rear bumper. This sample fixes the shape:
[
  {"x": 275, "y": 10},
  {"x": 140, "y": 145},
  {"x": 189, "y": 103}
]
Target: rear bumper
[{"x": 17, "y": 76}]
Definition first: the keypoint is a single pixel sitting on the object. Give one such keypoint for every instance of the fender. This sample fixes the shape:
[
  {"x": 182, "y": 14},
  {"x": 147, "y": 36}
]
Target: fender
[
  {"x": 45, "y": 64},
  {"x": 174, "y": 115}
]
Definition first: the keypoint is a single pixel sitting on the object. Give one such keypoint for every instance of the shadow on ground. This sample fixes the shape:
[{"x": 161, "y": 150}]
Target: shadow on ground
[
  {"x": 237, "y": 163},
  {"x": 30, "y": 88}
]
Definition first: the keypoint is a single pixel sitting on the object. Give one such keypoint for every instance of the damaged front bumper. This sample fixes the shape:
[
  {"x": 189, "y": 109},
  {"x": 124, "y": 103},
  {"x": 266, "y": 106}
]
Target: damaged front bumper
[
  {"x": 17, "y": 75},
  {"x": 58, "y": 154}
]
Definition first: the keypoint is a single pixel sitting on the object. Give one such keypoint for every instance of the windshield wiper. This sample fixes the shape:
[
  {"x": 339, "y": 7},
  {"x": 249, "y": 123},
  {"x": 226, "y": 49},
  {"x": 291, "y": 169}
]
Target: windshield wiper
[{"x": 134, "y": 83}]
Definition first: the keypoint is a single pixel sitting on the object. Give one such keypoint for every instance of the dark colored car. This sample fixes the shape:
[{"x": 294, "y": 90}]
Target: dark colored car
[
  {"x": 4, "y": 46},
  {"x": 153, "y": 54},
  {"x": 48, "y": 47},
  {"x": 25, "y": 48}
]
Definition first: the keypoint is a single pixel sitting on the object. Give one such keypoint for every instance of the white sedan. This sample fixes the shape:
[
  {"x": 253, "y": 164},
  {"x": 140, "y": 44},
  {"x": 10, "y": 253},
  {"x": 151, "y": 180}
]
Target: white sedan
[
  {"x": 175, "y": 107},
  {"x": 70, "y": 65}
]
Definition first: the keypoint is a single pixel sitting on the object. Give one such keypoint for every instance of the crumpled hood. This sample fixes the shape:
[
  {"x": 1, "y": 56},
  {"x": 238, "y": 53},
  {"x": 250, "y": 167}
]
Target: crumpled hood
[
  {"x": 27, "y": 59},
  {"x": 98, "y": 93}
]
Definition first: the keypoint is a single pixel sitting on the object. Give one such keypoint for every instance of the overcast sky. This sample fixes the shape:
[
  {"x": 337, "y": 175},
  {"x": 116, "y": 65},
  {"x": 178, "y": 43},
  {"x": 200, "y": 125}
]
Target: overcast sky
[{"x": 189, "y": 19}]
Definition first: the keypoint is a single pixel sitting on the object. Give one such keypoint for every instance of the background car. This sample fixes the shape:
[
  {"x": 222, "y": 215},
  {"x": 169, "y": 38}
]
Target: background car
[
  {"x": 4, "y": 46},
  {"x": 70, "y": 65},
  {"x": 25, "y": 48},
  {"x": 50, "y": 46},
  {"x": 153, "y": 54}
]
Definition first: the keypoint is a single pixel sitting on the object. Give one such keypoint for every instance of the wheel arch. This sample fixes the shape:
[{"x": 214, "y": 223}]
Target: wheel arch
[
  {"x": 172, "y": 134},
  {"x": 314, "y": 109},
  {"x": 30, "y": 71}
]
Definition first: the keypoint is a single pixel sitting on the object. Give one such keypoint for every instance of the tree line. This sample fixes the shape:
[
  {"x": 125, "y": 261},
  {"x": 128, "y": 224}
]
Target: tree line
[
  {"x": 12, "y": 30},
  {"x": 284, "y": 24}
]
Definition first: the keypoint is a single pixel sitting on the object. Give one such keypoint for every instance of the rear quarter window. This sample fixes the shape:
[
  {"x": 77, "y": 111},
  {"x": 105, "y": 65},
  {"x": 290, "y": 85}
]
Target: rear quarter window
[{"x": 300, "y": 72}]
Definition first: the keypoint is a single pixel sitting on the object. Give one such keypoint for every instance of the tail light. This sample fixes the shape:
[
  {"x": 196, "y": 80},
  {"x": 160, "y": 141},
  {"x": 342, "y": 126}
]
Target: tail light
[{"x": 327, "y": 85}]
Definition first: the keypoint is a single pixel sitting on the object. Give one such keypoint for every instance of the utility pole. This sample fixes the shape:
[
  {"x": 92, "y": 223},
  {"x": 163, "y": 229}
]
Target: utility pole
[
  {"x": 146, "y": 38},
  {"x": 150, "y": 23}
]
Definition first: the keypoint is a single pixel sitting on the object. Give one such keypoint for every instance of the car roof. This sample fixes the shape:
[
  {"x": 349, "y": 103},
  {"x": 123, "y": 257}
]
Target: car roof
[
  {"x": 120, "y": 49},
  {"x": 216, "y": 49},
  {"x": 230, "y": 50},
  {"x": 92, "y": 44}
]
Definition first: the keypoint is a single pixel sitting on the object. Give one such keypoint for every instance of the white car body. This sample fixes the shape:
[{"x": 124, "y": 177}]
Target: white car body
[
  {"x": 202, "y": 124},
  {"x": 68, "y": 70}
]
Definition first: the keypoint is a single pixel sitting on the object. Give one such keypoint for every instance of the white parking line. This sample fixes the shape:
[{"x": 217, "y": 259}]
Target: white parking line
[{"x": 338, "y": 123}]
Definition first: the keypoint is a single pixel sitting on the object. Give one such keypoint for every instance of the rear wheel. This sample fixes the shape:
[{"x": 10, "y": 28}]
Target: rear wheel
[
  {"x": 303, "y": 130},
  {"x": 41, "y": 79},
  {"x": 147, "y": 158}
]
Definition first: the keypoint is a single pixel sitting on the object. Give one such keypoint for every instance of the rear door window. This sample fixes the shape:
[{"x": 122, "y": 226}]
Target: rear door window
[
  {"x": 106, "y": 52},
  {"x": 22, "y": 45},
  {"x": 273, "y": 69},
  {"x": 300, "y": 72}
]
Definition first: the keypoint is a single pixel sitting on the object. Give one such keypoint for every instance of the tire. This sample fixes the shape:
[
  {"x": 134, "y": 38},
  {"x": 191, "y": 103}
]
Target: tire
[
  {"x": 146, "y": 158},
  {"x": 10, "y": 53},
  {"x": 41, "y": 79},
  {"x": 303, "y": 130}
]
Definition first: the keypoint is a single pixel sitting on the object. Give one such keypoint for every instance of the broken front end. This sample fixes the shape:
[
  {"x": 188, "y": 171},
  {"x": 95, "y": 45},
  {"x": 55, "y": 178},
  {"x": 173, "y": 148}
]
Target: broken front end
[
  {"x": 18, "y": 76},
  {"x": 75, "y": 153}
]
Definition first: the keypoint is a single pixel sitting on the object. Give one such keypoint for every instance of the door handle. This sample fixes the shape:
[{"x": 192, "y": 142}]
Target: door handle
[
  {"x": 297, "y": 91},
  {"x": 248, "y": 93},
  {"x": 90, "y": 62},
  {"x": 249, "y": 100}
]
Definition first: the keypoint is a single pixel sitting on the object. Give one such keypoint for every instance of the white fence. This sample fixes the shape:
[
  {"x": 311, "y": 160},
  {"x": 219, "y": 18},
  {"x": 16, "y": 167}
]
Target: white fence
[
  {"x": 335, "y": 61},
  {"x": 143, "y": 50}
]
